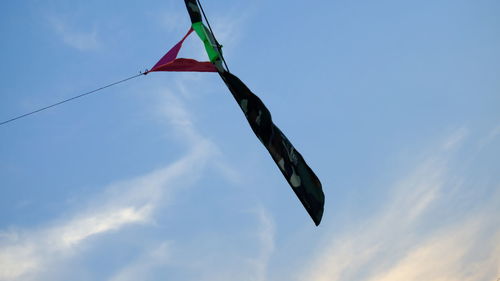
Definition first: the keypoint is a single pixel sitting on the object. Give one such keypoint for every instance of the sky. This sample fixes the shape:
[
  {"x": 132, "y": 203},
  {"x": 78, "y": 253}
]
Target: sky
[{"x": 394, "y": 105}]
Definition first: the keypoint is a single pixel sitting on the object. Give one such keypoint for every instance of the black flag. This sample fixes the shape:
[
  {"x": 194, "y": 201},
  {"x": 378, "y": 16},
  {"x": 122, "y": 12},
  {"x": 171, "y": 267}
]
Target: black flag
[{"x": 301, "y": 178}]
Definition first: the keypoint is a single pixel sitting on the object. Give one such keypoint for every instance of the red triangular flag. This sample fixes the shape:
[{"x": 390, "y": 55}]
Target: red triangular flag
[{"x": 170, "y": 62}]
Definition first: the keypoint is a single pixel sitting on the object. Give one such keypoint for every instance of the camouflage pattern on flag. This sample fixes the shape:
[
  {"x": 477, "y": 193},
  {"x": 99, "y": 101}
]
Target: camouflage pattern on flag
[{"x": 301, "y": 178}]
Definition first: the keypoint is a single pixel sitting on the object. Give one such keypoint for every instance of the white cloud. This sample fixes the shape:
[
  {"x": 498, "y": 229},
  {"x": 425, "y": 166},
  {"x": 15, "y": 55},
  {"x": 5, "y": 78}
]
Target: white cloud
[
  {"x": 28, "y": 252},
  {"x": 455, "y": 139},
  {"x": 450, "y": 255},
  {"x": 174, "y": 21},
  {"x": 395, "y": 244},
  {"x": 224, "y": 260},
  {"x": 491, "y": 136},
  {"x": 266, "y": 236},
  {"x": 179, "y": 118},
  {"x": 145, "y": 264},
  {"x": 25, "y": 254},
  {"x": 216, "y": 254},
  {"x": 73, "y": 37}
]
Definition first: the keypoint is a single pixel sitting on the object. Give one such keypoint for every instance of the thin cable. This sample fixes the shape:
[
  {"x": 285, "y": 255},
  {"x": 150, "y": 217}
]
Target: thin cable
[
  {"x": 70, "y": 99},
  {"x": 209, "y": 27}
]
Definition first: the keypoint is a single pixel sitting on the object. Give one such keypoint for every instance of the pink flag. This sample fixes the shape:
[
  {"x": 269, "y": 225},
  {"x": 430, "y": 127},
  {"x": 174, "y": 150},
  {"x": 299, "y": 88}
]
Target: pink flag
[{"x": 170, "y": 62}]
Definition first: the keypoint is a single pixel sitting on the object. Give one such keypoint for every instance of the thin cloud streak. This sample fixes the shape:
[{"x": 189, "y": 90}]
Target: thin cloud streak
[
  {"x": 394, "y": 244},
  {"x": 78, "y": 39},
  {"x": 450, "y": 255},
  {"x": 145, "y": 265},
  {"x": 215, "y": 255},
  {"x": 224, "y": 264},
  {"x": 25, "y": 254},
  {"x": 266, "y": 234}
]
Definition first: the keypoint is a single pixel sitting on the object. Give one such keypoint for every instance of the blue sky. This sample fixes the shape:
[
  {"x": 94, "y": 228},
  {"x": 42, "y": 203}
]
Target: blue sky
[{"x": 394, "y": 104}]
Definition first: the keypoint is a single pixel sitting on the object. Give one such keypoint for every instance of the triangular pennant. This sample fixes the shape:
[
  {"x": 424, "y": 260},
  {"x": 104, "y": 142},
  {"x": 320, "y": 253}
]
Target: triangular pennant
[{"x": 170, "y": 62}]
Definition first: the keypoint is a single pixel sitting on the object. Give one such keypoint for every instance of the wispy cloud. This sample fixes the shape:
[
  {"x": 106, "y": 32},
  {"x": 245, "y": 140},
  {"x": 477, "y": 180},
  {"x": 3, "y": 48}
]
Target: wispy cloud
[
  {"x": 492, "y": 135},
  {"x": 145, "y": 265},
  {"x": 455, "y": 253},
  {"x": 23, "y": 253},
  {"x": 82, "y": 40},
  {"x": 266, "y": 234},
  {"x": 26, "y": 254},
  {"x": 398, "y": 244},
  {"x": 225, "y": 263},
  {"x": 174, "y": 21}
]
